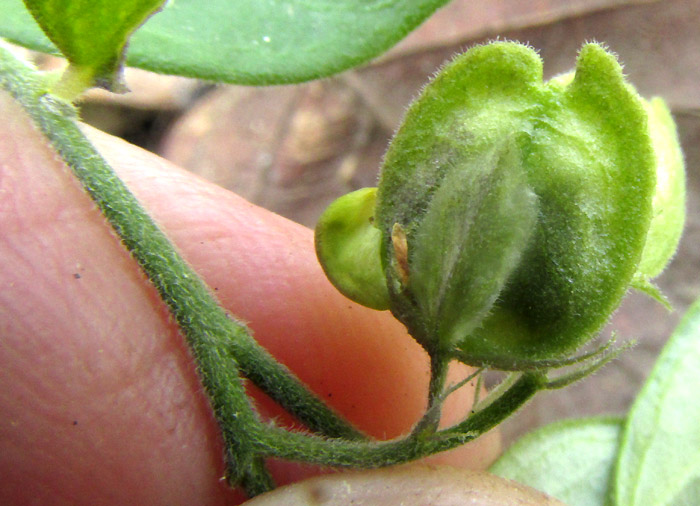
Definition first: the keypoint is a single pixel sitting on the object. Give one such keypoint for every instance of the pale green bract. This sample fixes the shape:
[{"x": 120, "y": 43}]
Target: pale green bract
[{"x": 513, "y": 214}]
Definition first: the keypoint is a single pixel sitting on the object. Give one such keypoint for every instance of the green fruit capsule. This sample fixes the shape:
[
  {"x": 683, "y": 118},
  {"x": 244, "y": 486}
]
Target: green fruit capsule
[
  {"x": 347, "y": 245},
  {"x": 512, "y": 215}
]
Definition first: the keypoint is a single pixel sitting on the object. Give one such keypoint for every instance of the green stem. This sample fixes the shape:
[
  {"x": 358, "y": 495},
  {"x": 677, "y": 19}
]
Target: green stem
[
  {"x": 496, "y": 392},
  {"x": 73, "y": 82},
  {"x": 223, "y": 348},
  {"x": 453, "y": 388},
  {"x": 279, "y": 383},
  {"x": 439, "y": 366},
  {"x": 356, "y": 454},
  {"x": 216, "y": 340}
]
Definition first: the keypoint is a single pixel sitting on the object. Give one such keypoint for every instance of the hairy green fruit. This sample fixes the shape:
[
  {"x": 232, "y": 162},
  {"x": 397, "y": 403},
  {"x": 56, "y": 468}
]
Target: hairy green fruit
[
  {"x": 523, "y": 210},
  {"x": 347, "y": 242}
]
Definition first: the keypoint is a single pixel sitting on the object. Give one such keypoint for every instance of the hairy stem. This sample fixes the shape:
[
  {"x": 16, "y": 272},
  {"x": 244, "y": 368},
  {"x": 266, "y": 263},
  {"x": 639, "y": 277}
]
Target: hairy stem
[
  {"x": 218, "y": 343},
  {"x": 224, "y": 349},
  {"x": 357, "y": 454},
  {"x": 439, "y": 366}
]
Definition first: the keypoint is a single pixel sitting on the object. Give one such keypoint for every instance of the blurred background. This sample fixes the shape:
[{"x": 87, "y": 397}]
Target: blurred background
[{"x": 293, "y": 149}]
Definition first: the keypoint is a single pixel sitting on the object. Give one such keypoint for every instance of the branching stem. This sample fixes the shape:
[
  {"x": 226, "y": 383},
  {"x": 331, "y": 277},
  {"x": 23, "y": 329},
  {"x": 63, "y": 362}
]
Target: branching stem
[
  {"x": 309, "y": 448},
  {"x": 223, "y": 348}
]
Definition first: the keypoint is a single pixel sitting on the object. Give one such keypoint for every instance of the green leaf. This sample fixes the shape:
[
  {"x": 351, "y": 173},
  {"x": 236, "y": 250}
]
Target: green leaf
[
  {"x": 690, "y": 493},
  {"x": 659, "y": 461},
  {"x": 570, "y": 460},
  {"x": 91, "y": 35},
  {"x": 254, "y": 41}
]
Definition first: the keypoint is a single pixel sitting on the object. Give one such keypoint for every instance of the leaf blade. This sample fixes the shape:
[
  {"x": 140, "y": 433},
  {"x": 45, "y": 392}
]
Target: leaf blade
[
  {"x": 570, "y": 460},
  {"x": 660, "y": 451},
  {"x": 253, "y": 42}
]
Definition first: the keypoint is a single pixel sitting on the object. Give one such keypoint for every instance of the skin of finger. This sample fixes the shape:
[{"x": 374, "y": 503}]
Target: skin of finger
[
  {"x": 408, "y": 484},
  {"x": 100, "y": 398}
]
